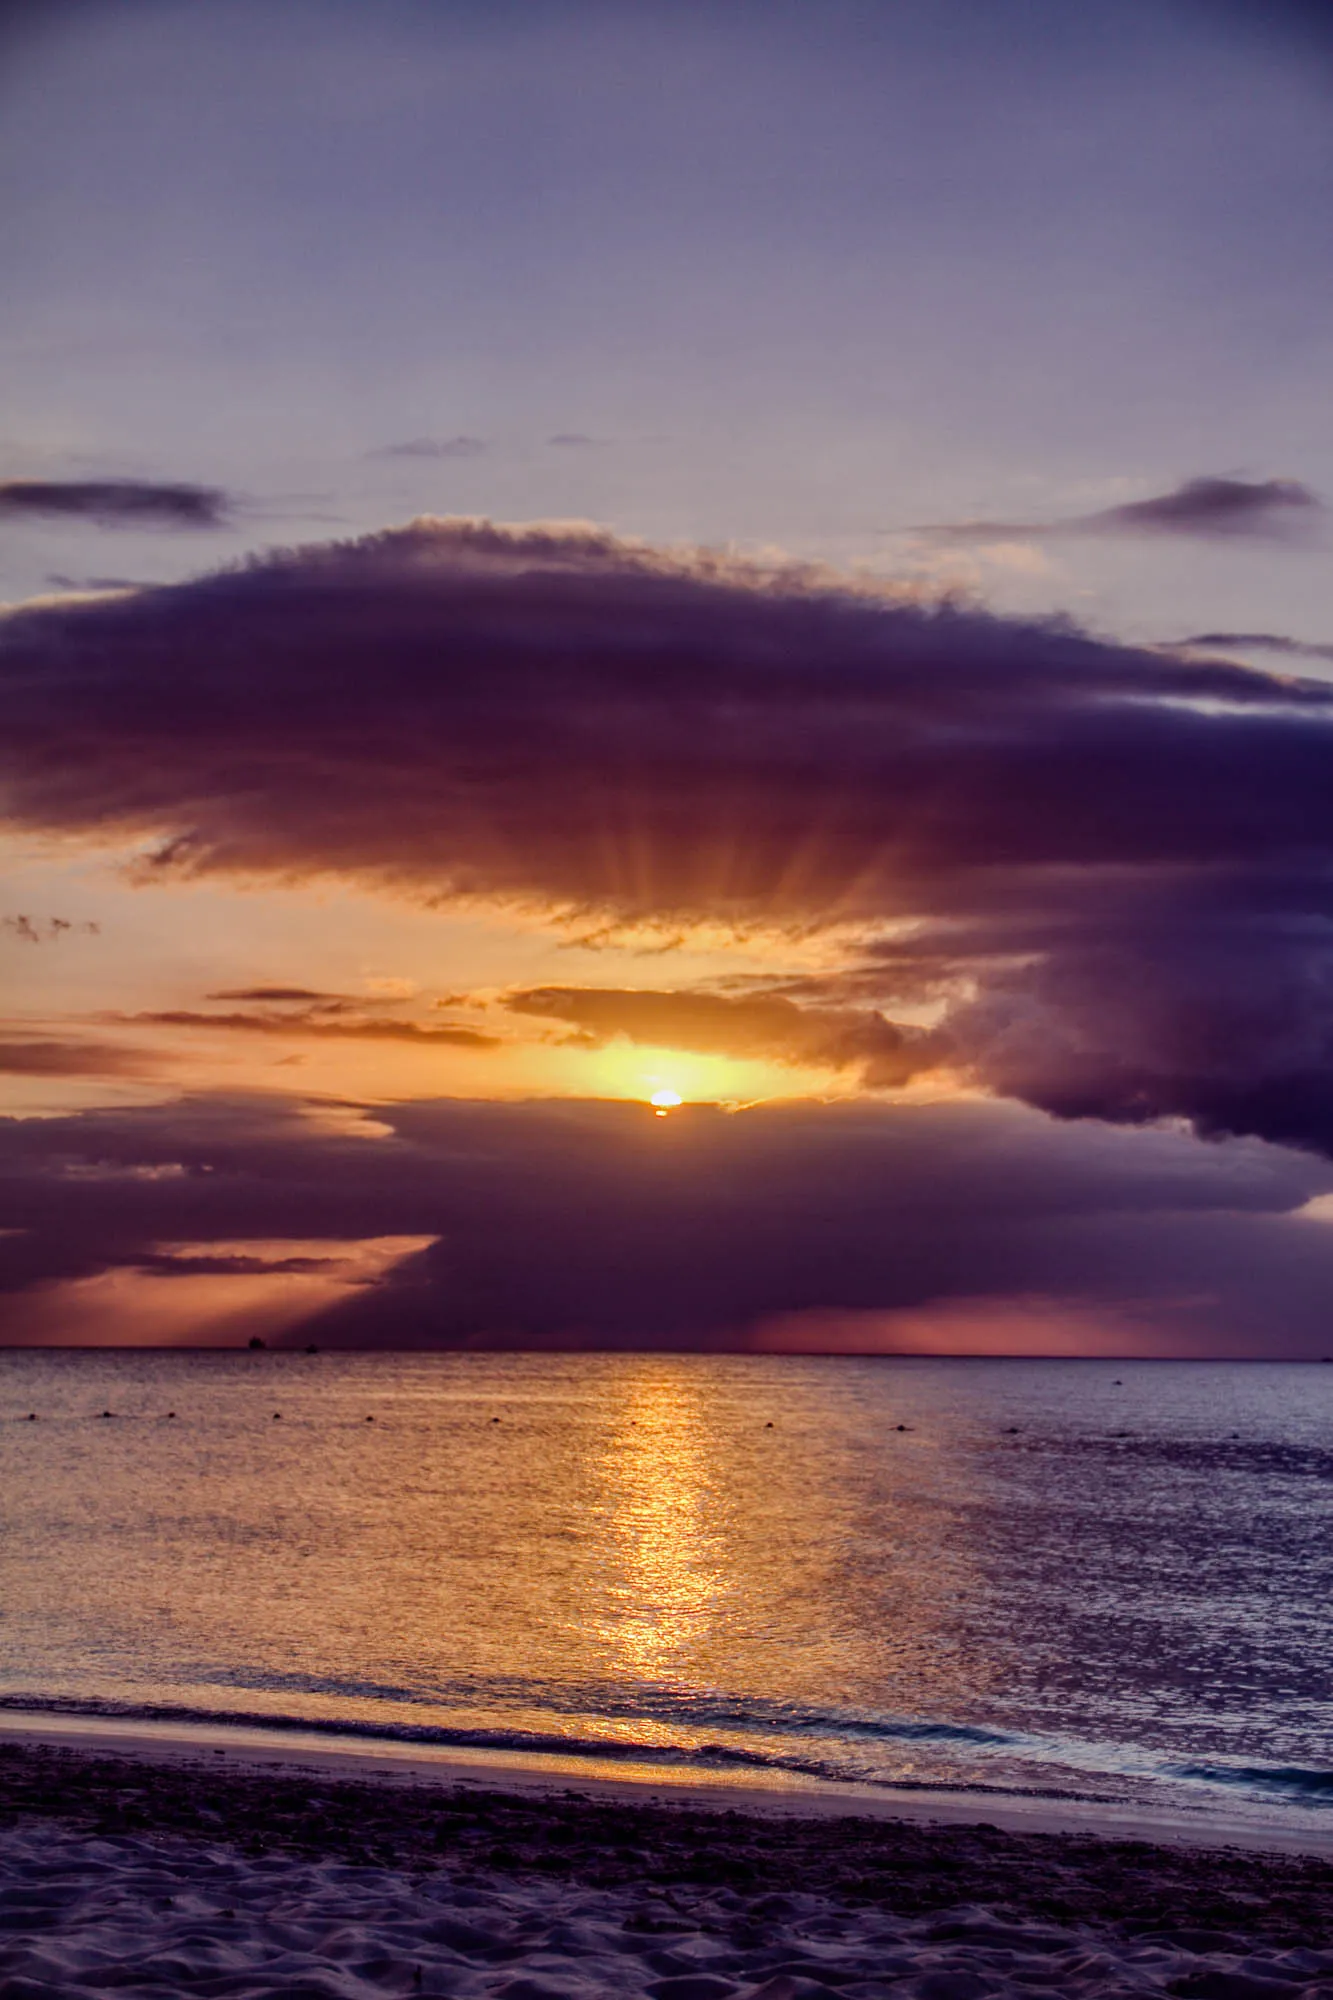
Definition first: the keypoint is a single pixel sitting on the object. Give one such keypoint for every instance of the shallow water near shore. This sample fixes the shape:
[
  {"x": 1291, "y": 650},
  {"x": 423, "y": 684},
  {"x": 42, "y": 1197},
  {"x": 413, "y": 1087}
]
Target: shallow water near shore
[{"x": 1096, "y": 1579}]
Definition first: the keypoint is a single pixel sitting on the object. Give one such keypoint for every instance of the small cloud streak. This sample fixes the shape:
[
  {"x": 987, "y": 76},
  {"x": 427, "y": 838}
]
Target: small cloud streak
[
  {"x": 72, "y": 1058},
  {"x": 46, "y": 930},
  {"x": 1209, "y": 509},
  {"x": 284, "y": 995},
  {"x": 461, "y": 446},
  {"x": 116, "y": 502},
  {"x": 313, "y": 1023},
  {"x": 1260, "y": 642}
]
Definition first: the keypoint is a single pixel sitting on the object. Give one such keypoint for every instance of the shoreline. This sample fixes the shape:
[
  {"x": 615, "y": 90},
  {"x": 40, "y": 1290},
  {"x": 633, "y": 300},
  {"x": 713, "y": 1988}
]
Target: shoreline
[{"x": 534, "y": 1775}]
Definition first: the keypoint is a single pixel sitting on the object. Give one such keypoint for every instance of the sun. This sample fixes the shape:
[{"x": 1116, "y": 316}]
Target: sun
[{"x": 663, "y": 1101}]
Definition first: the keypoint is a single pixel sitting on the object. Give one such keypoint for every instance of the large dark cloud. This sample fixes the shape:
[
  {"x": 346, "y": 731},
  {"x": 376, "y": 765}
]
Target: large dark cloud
[
  {"x": 595, "y": 1223},
  {"x": 116, "y": 502},
  {"x": 1211, "y": 509},
  {"x": 1108, "y": 868}
]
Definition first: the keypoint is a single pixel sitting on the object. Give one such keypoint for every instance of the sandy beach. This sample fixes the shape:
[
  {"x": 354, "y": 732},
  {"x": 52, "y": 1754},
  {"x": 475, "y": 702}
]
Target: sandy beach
[{"x": 147, "y": 1874}]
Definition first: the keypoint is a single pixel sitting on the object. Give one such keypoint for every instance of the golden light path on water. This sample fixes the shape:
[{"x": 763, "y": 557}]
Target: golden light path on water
[{"x": 672, "y": 1575}]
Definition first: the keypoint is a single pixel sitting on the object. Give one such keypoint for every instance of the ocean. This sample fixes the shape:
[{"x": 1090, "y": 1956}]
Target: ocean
[{"x": 1102, "y": 1580}]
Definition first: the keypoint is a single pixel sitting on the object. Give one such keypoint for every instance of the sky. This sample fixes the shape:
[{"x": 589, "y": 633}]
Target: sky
[{"x": 770, "y": 557}]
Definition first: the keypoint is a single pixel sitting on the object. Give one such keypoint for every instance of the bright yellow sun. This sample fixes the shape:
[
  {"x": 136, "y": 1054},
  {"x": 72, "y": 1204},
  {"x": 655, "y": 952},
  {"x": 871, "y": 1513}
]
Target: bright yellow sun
[{"x": 663, "y": 1101}]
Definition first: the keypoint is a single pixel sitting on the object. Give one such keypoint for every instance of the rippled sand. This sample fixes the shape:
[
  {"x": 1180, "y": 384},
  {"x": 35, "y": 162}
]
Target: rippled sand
[{"x": 293, "y": 1886}]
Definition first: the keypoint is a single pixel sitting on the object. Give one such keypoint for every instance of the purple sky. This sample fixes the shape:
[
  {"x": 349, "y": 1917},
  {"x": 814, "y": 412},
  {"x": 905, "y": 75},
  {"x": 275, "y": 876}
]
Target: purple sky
[{"x": 874, "y": 399}]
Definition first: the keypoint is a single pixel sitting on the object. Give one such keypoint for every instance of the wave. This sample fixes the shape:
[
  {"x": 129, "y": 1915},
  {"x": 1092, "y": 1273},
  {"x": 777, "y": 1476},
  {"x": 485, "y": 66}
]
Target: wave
[
  {"x": 528, "y": 1742},
  {"x": 656, "y": 1705},
  {"x": 1308, "y": 1786},
  {"x": 1312, "y": 1785}
]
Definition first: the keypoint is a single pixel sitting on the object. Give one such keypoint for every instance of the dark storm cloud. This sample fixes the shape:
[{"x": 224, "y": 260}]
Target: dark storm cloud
[
  {"x": 116, "y": 502},
  {"x": 757, "y": 1025},
  {"x": 1111, "y": 869},
  {"x": 1211, "y": 509},
  {"x": 597, "y": 1224}
]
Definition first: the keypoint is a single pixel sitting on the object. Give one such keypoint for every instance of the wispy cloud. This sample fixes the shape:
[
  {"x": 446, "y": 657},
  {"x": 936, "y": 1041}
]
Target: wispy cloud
[
  {"x": 285, "y": 994},
  {"x": 116, "y": 502},
  {"x": 36, "y": 1056},
  {"x": 47, "y": 930},
  {"x": 1205, "y": 509},
  {"x": 315, "y": 1021},
  {"x": 1260, "y": 642},
  {"x": 461, "y": 446}
]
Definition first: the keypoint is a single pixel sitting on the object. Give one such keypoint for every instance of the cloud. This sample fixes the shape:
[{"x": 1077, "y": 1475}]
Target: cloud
[
  {"x": 230, "y": 1264},
  {"x": 46, "y": 930},
  {"x": 575, "y": 441},
  {"x": 283, "y": 994},
  {"x": 314, "y": 1022},
  {"x": 765, "y": 1025},
  {"x": 1261, "y": 642},
  {"x": 453, "y": 447},
  {"x": 36, "y": 1057},
  {"x": 1208, "y": 509},
  {"x": 116, "y": 502},
  {"x": 1109, "y": 868},
  {"x": 567, "y": 1223},
  {"x": 1213, "y": 507}
]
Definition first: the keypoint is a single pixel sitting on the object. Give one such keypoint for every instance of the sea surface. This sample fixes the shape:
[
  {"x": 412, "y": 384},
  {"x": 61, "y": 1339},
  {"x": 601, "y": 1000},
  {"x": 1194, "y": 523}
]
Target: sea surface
[{"x": 1112, "y": 1580}]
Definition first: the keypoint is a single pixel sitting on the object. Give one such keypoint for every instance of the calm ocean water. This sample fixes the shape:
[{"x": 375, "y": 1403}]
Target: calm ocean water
[{"x": 1104, "y": 1579}]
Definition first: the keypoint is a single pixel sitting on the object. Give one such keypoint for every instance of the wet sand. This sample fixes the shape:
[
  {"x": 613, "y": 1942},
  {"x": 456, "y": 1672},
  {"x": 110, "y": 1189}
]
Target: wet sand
[{"x": 149, "y": 1874}]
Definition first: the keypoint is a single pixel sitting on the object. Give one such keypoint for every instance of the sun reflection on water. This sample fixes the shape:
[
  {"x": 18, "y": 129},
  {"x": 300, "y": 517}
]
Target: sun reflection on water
[{"x": 671, "y": 1573}]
